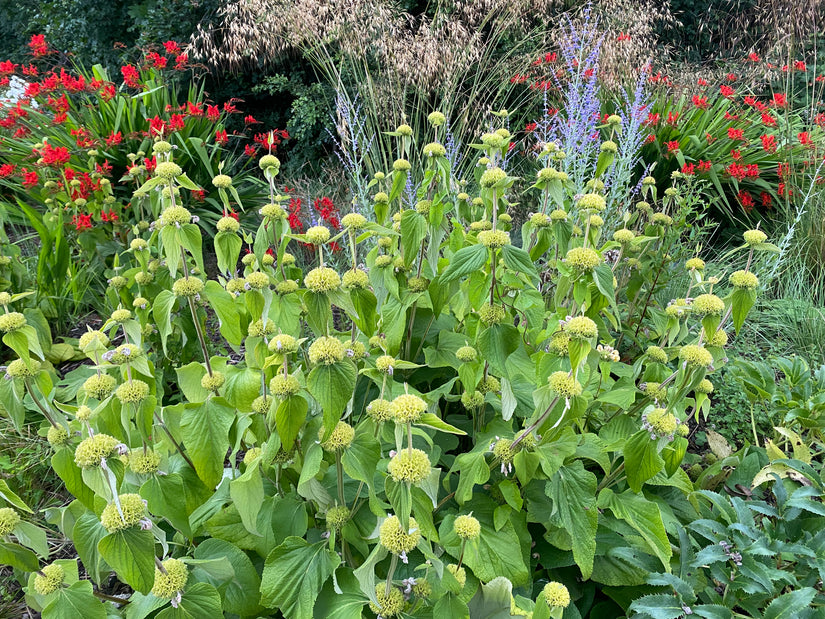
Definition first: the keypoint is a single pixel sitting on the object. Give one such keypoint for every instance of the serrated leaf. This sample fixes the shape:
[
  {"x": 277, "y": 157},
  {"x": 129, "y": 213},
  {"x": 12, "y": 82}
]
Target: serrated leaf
[
  {"x": 433, "y": 421},
  {"x": 642, "y": 460},
  {"x": 573, "y": 492},
  {"x": 465, "y": 261},
  {"x": 205, "y": 432},
  {"x": 294, "y": 575},
  {"x": 198, "y": 601},
  {"x": 131, "y": 554},
  {"x": 332, "y": 387}
]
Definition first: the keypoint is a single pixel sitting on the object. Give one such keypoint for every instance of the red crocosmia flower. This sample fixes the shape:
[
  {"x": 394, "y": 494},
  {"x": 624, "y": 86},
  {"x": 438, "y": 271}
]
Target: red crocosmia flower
[
  {"x": 172, "y": 47},
  {"x": 294, "y": 218},
  {"x": 805, "y": 138},
  {"x": 229, "y": 107},
  {"x": 7, "y": 67},
  {"x": 735, "y": 134},
  {"x": 730, "y": 77},
  {"x": 114, "y": 139},
  {"x": 709, "y": 138},
  {"x": 60, "y": 118},
  {"x": 213, "y": 113},
  {"x": 753, "y": 57},
  {"x": 156, "y": 60},
  {"x": 703, "y": 166},
  {"x": 105, "y": 168},
  {"x": 177, "y": 122},
  {"x": 199, "y": 195},
  {"x": 21, "y": 132},
  {"x": 59, "y": 105},
  {"x": 749, "y": 100},
  {"x": 650, "y": 139},
  {"x": 768, "y": 120},
  {"x": 221, "y": 137},
  {"x": 157, "y": 126},
  {"x": 820, "y": 78},
  {"x": 702, "y": 82},
  {"x": 799, "y": 65},
  {"x": 766, "y": 199},
  {"x": 30, "y": 178},
  {"x": 6, "y": 170},
  {"x": 700, "y": 102},
  {"x": 735, "y": 154},
  {"x": 32, "y": 89},
  {"x": 108, "y": 92},
  {"x": 55, "y": 156},
  {"x": 673, "y": 146},
  {"x": 110, "y": 216},
  {"x": 672, "y": 117},
  {"x": 4, "y": 81},
  {"x": 819, "y": 119},
  {"x": 83, "y": 138},
  {"x": 150, "y": 164},
  {"x": 652, "y": 119},
  {"x": 131, "y": 76},
  {"x": 729, "y": 116},
  {"x": 530, "y": 127},
  {"x": 689, "y": 169},
  {"x": 82, "y": 222},
  {"x": 38, "y": 45},
  {"x": 779, "y": 99},
  {"x": 180, "y": 62},
  {"x": 250, "y": 150},
  {"x": 233, "y": 215},
  {"x": 194, "y": 109},
  {"x": 250, "y": 120},
  {"x": 623, "y": 37},
  {"x": 745, "y": 200},
  {"x": 768, "y": 142},
  {"x": 726, "y": 91}
]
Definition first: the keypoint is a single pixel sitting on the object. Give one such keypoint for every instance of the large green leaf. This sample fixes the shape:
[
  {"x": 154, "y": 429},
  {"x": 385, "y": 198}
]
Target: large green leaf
[
  {"x": 498, "y": 551},
  {"x": 224, "y": 305},
  {"x": 496, "y": 343},
  {"x": 789, "y": 605},
  {"x": 8, "y": 495},
  {"x": 289, "y": 418},
  {"x": 205, "y": 431},
  {"x": 341, "y": 597},
  {"x": 163, "y": 493},
  {"x": 162, "y": 311},
  {"x": 573, "y": 492},
  {"x": 518, "y": 260},
  {"x": 361, "y": 458},
  {"x": 247, "y": 492},
  {"x": 465, "y": 261},
  {"x": 131, "y": 554},
  {"x": 294, "y": 574},
  {"x": 86, "y": 535},
  {"x": 332, "y": 387},
  {"x": 641, "y": 460},
  {"x": 242, "y": 592},
  {"x": 659, "y": 606},
  {"x": 413, "y": 231},
  {"x": 18, "y": 557},
  {"x": 199, "y": 601},
  {"x": 75, "y": 602},
  {"x": 642, "y": 515}
]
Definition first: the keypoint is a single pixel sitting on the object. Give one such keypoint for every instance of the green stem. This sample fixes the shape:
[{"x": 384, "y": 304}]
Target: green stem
[
  {"x": 390, "y": 574},
  {"x": 339, "y": 468}
]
